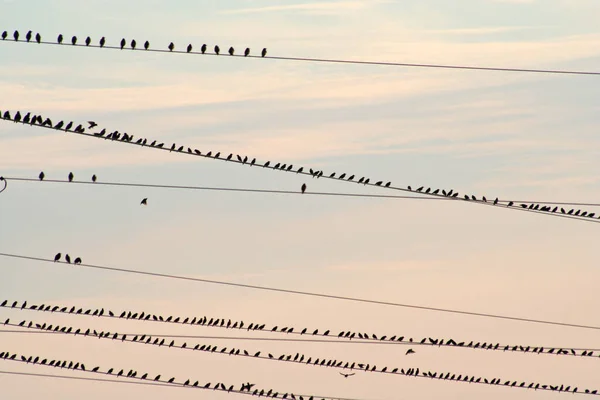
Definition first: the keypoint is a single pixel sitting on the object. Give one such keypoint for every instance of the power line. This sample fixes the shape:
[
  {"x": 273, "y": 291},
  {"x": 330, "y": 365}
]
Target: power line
[
  {"x": 311, "y": 294},
  {"x": 141, "y": 379},
  {"x": 534, "y": 208},
  {"x": 340, "y": 61},
  {"x": 343, "y": 337},
  {"x": 272, "y": 191}
]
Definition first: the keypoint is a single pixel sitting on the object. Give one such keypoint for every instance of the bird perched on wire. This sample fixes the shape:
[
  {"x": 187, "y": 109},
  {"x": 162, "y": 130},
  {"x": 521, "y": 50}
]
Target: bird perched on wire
[
  {"x": 71, "y": 176},
  {"x": 41, "y": 176},
  {"x": 189, "y": 48},
  {"x": 247, "y": 52},
  {"x": 144, "y": 201},
  {"x": 231, "y": 51},
  {"x": 346, "y": 375},
  {"x": 57, "y": 257},
  {"x": 67, "y": 258},
  {"x": 171, "y": 46},
  {"x": 77, "y": 261},
  {"x": 264, "y": 52},
  {"x": 146, "y": 45},
  {"x": 303, "y": 187},
  {"x": 94, "y": 178},
  {"x": 123, "y": 43},
  {"x": 217, "y": 50}
]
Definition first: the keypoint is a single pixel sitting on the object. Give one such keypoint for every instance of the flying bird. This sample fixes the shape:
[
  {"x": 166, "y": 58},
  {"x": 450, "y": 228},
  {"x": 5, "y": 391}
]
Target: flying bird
[
  {"x": 92, "y": 124},
  {"x": 303, "y": 187},
  {"x": 71, "y": 176},
  {"x": 409, "y": 351},
  {"x": 144, "y": 201},
  {"x": 346, "y": 375}
]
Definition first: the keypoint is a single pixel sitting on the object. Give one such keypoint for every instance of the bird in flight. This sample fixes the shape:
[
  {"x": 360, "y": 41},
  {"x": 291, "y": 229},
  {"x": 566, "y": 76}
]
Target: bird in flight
[
  {"x": 144, "y": 201},
  {"x": 303, "y": 187},
  {"x": 346, "y": 375},
  {"x": 410, "y": 351},
  {"x": 92, "y": 124}
]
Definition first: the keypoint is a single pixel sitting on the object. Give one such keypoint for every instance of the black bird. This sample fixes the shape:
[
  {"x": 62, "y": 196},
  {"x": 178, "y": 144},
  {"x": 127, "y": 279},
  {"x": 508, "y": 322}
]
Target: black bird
[
  {"x": 189, "y": 48},
  {"x": 38, "y": 37},
  {"x": 68, "y": 258},
  {"x": 74, "y": 40},
  {"x": 59, "y": 39},
  {"x": 409, "y": 351},
  {"x": 28, "y": 36},
  {"x": 303, "y": 187},
  {"x": 146, "y": 45},
  {"x": 346, "y": 375},
  {"x": 217, "y": 50},
  {"x": 247, "y": 52},
  {"x": 171, "y": 46},
  {"x": 144, "y": 201},
  {"x": 57, "y": 257},
  {"x": 4, "y": 35},
  {"x": 203, "y": 48},
  {"x": 264, "y": 52},
  {"x": 77, "y": 261},
  {"x": 88, "y": 41},
  {"x": 93, "y": 178},
  {"x": 71, "y": 176},
  {"x": 92, "y": 124},
  {"x": 17, "y": 117},
  {"x": 16, "y": 35},
  {"x": 102, "y": 41},
  {"x": 133, "y": 44},
  {"x": 231, "y": 51},
  {"x": 41, "y": 176},
  {"x": 123, "y": 43}
]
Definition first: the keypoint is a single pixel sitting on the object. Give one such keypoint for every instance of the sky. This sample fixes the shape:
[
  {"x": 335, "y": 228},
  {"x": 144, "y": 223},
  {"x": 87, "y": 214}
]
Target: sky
[{"x": 507, "y": 135}]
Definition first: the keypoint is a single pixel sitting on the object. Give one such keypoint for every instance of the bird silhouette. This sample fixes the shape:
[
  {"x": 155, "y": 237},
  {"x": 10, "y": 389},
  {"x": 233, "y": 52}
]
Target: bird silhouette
[
  {"x": 71, "y": 176},
  {"x": 123, "y": 43},
  {"x": 146, "y": 45},
  {"x": 94, "y": 178},
  {"x": 102, "y": 41},
  {"x": 38, "y": 37},
  {"x": 264, "y": 52},
  {"x": 41, "y": 176},
  {"x": 57, "y": 257},
  {"x": 203, "y": 48},
  {"x": 303, "y": 188},
  {"x": 28, "y": 36},
  {"x": 409, "y": 351},
  {"x": 231, "y": 51},
  {"x": 92, "y": 124},
  {"x": 189, "y": 48},
  {"x": 88, "y": 41},
  {"x": 77, "y": 261},
  {"x": 16, "y": 35},
  {"x": 217, "y": 50},
  {"x": 347, "y": 375},
  {"x": 59, "y": 39},
  {"x": 247, "y": 52},
  {"x": 171, "y": 46},
  {"x": 4, "y": 35},
  {"x": 68, "y": 258},
  {"x": 74, "y": 40},
  {"x": 144, "y": 201},
  {"x": 133, "y": 44}
]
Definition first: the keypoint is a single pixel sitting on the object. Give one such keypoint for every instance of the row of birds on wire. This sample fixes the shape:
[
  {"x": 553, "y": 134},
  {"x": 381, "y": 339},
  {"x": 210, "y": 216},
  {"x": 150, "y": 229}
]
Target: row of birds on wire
[
  {"x": 450, "y": 194},
  {"x": 123, "y": 44},
  {"x": 247, "y": 388},
  {"x": 303, "y": 359},
  {"x": 325, "y": 333}
]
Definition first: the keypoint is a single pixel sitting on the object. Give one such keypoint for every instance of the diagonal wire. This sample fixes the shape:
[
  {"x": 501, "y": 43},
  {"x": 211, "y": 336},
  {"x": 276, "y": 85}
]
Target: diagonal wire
[
  {"x": 337, "y": 61},
  {"x": 509, "y": 206},
  {"x": 304, "y": 293}
]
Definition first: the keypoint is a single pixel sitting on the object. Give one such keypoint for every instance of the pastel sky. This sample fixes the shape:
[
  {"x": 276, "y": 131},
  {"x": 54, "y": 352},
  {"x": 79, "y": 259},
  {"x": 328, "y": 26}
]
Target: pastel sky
[{"x": 511, "y": 135}]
